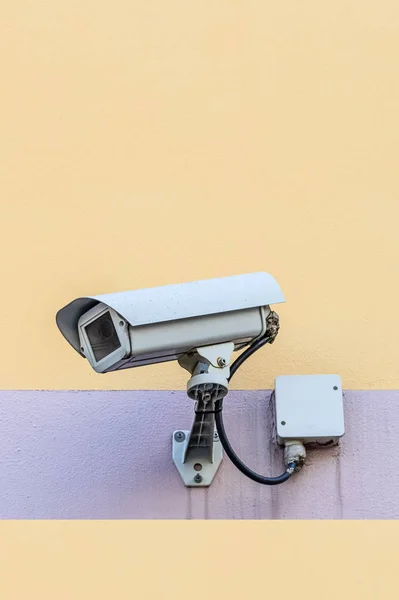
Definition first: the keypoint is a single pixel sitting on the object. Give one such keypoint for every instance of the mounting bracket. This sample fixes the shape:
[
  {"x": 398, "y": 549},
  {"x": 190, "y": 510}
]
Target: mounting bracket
[{"x": 197, "y": 454}]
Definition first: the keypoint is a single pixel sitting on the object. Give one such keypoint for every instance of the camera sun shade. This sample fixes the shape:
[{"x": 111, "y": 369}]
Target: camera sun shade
[{"x": 176, "y": 302}]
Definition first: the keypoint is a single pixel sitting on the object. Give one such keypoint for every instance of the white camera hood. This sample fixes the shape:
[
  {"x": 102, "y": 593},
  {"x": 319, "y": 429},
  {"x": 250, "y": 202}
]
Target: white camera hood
[{"x": 173, "y": 302}]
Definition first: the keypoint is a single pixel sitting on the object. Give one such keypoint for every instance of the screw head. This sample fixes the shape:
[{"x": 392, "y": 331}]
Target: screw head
[
  {"x": 180, "y": 436},
  {"x": 216, "y": 435},
  {"x": 222, "y": 362},
  {"x": 198, "y": 478}
]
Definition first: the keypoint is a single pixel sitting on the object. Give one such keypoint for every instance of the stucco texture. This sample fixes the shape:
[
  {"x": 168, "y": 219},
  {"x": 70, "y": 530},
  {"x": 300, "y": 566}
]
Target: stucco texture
[{"x": 107, "y": 455}]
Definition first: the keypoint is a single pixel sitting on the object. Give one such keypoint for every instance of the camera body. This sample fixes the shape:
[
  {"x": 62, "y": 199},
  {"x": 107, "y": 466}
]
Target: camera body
[{"x": 141, "y": 327}]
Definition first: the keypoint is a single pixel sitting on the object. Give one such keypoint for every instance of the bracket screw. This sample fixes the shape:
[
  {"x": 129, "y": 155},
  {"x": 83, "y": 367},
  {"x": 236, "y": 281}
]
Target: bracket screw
[
  {"x": 198, "y": 478},
  {"x": 179, "y": 436},
  {"x": 222, "y": 362},
  {"x": 216, "y": 435}
]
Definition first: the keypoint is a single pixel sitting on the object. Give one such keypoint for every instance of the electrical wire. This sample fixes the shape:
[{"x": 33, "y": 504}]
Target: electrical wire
[{"x": 222, "y": 432}]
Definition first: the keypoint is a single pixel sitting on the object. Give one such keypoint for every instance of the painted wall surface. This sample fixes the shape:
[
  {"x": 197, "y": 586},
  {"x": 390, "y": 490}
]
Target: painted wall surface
[
  {"x": 107, "y": 455},
  {"x": 150, "y": 143}
]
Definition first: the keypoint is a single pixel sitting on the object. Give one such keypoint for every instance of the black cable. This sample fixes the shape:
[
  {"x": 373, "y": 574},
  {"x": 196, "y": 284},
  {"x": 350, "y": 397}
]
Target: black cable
[
  {"x": 247, "y": 353},
  {"x": 222, "y": 432}
]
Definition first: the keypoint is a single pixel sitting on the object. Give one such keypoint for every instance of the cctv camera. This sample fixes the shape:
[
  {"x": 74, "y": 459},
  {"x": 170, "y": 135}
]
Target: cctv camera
[
  {"x": 199, "y": 324},
  {"x": 141, "y": 327}
]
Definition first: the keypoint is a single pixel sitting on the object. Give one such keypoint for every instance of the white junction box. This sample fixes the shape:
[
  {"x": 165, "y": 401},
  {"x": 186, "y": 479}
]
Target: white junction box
[{"x": 309, "y": 409}]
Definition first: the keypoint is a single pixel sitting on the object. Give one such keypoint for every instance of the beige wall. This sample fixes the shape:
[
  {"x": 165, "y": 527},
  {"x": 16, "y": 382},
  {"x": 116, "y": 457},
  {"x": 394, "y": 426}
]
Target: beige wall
[
  {"x": 145, "y": 143},
  {"x": 125, "y": 560}
]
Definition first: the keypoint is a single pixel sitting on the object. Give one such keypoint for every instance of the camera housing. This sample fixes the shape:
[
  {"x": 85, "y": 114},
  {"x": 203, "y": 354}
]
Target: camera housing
[
  {"x": 141, "y": 327},
  {"x": 200, "y": 324}
]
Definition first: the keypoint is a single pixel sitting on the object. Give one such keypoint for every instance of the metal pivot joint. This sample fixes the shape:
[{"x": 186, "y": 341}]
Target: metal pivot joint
[{"x": 197, "y": 454}]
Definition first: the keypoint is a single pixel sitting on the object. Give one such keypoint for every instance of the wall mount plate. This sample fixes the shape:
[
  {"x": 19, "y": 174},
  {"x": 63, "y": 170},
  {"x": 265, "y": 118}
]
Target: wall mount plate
[{"x": 197, "y": 471}]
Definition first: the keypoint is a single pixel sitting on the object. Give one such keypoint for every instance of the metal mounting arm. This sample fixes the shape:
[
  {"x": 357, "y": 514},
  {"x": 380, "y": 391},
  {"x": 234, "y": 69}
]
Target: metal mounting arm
[{"x": 197, "y": 454}]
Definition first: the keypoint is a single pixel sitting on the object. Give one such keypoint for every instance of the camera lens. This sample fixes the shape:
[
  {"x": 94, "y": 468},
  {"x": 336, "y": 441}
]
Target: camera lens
[
  {"x": 105, "y": 330},
  {"x": 102, "y": 336}
]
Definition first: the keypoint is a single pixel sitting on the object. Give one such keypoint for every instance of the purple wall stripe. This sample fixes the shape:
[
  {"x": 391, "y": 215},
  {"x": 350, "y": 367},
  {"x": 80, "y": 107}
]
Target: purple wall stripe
[{"x": 107, "y": 455}]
